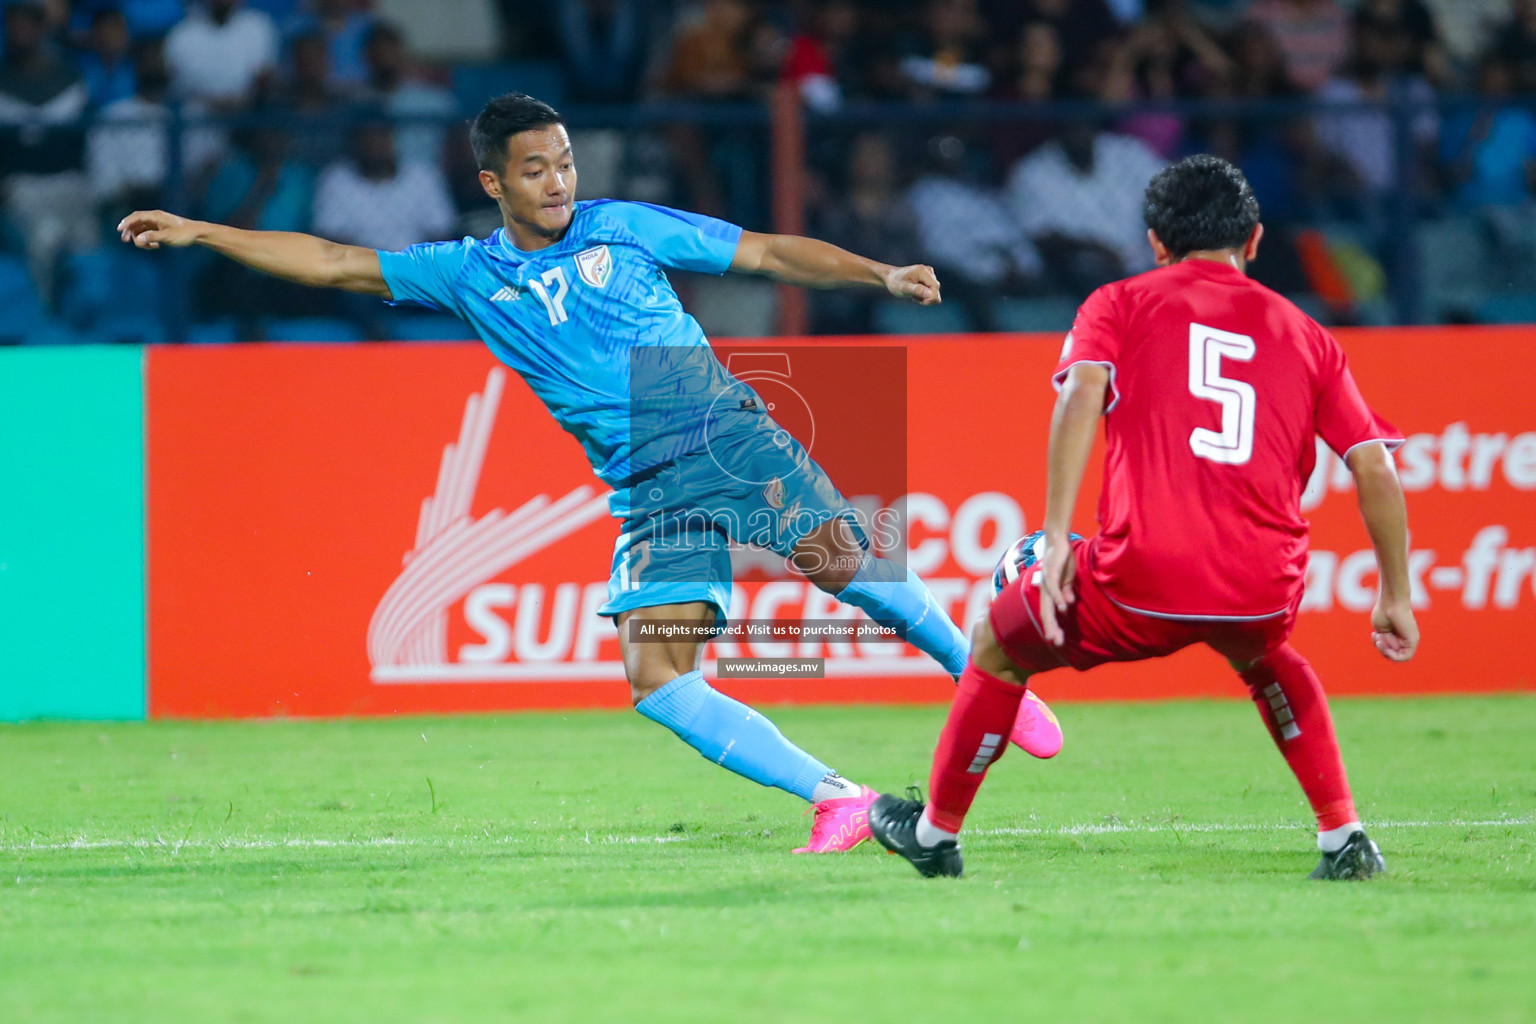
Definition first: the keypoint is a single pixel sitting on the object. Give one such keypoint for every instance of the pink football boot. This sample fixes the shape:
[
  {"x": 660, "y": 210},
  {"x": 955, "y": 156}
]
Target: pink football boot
[
  {"x": 1036, "y": 729},
  {"x": 840, "y": 824}
]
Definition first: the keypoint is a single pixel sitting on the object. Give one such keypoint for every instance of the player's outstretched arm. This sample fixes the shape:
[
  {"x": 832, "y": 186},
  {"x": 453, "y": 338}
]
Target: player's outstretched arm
[
  {"x": 1074, "y": 422},
  {"x": 1394, "y": 631},
  {"x": 811, "y": 263},
  {"x": 304, "y": 259}
]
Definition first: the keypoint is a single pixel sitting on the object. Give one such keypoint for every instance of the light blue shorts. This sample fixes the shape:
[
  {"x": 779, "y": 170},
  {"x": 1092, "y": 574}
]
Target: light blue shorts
[{"x": 756, "y": 486}]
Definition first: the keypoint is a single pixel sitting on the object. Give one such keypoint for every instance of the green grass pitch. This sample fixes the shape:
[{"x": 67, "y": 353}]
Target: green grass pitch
[{"x": 588, "y": 867}]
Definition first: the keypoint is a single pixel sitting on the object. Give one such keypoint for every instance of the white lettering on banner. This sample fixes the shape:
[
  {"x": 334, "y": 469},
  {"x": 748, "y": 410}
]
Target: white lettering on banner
[
  {"x": 971, "y": 519},
  {"x": 1456, "y": 460},
  {"x": 591, "y": 628},
  {"x": 927, "y": 555},
  {"x": 1491, "y": 573},
  {"x": 530, "y": 609},
  {"x": 478, "y": 614}
]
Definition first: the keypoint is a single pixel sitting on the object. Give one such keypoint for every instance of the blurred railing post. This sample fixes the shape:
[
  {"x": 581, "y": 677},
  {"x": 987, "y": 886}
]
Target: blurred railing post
[
  {"x": 788, "y": 141},
  {"x": 176, "y": 285},
  {"x": 1403, "y": 211}
]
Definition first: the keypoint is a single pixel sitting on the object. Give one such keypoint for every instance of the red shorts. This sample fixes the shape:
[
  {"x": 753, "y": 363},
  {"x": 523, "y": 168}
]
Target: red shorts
[{"x": 1099, "y": 631}]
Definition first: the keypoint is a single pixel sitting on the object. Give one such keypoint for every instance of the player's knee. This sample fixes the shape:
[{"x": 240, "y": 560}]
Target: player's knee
[
  {"x": 654, "y": 673},
  {"x": 989, "y": 656},
  {"x": 831, "y": 575}
]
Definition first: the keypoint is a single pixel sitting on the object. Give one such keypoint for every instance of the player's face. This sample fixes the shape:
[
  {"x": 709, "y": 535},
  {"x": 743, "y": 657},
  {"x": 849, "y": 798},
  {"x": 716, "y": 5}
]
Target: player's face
[{"x": 539, "y": 185}]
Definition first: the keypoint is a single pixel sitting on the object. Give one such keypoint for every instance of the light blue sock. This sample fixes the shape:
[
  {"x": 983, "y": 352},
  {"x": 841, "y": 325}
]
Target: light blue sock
[
  {"x": 895, "y": 596},
  {"x": 732, "y": 735}
]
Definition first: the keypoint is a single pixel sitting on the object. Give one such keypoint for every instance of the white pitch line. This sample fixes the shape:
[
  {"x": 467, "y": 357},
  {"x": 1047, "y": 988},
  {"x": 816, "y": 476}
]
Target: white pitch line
[
  {"x": 174, "y": 846},
  {"x": 1112, "y": 829}
]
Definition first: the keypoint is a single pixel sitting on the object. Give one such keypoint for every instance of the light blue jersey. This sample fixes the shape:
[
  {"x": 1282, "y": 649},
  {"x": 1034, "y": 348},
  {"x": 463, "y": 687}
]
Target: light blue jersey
[{"x": 594, "y": 327}]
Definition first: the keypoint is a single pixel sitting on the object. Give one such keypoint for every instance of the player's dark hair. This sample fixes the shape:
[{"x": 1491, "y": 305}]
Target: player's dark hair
[
  {"x": 1200, "y": 204},
  {"x": 502, "y": 118}
]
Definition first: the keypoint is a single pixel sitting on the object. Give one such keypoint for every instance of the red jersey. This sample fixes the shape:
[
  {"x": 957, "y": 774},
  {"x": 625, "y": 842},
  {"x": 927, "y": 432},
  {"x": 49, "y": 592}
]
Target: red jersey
[{"x": 1217, "y": 388}]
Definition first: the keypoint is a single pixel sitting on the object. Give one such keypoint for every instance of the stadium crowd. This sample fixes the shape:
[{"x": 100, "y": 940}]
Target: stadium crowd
[{"x": 1356, "y": 122}]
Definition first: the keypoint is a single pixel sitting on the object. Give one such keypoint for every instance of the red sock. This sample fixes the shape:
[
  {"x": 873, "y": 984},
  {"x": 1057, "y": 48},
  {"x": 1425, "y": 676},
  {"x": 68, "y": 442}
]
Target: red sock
[
  {"x": 975, "y": 735},
  {"x": 1291, "y": 701}
]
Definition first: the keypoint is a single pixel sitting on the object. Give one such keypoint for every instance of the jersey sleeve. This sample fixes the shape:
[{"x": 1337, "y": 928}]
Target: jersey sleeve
[
  {"x": 425, "y": 274},
  {"x": 1343, "y": 419},
  {"x": 1094, "y": 338},
  {"x": 675, "y": 238}
]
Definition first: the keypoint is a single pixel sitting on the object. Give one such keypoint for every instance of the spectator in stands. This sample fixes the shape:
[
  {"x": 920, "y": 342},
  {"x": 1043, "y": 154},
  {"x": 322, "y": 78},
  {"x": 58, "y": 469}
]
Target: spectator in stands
[
  {"x": 1086, "y": 29},
  {"x": 1426, "y": 56},
  {"x": 766, "y": 46},
  {"x": 1466, "y": 28},
  {"x": 947, "y": 60},
  {"x": 107, "y": 66},
  {"x": 1039, "y": 75},
  {"x": 1366, "y": 140},
  {"x": 967, "y": 232},
  {"x": 1517, "y": 45},
  {"x": 708, "y": 61},
  {"x": 399, "y": 88},
  {"x": 817, "y": 62},
  {"x": 376, "y": 200},
  {"x": 260, "y": 187},
  {"x": 1313, "y": 36},
  {"x": 222, "y": 54},
  {"x": 146, "y": 19},
  {"x": 603, "y": 45},
  {"x": 126, "y": 148},
  {"x": 311, "y": 104},
  {"x": 1258, "y": 68},
  {"x": 1079, "y": 198},
  {"x": 42, "y": 145},
  {"x": 709, "y": 55},
  {"x": 1164, "y": 57},
  {"x": 865, "y": 214},
  {"x": 1488, "y": 153},
  {"x": 344, "y": 26}
]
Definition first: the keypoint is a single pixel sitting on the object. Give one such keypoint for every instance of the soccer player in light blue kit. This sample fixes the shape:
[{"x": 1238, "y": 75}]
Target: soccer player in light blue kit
[{"x": 574, "y": 297}]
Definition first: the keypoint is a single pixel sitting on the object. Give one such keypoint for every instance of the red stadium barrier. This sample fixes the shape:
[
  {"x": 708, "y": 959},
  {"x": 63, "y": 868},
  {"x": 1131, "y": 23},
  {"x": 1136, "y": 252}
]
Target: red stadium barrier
[{"x": 316, "y": 547}]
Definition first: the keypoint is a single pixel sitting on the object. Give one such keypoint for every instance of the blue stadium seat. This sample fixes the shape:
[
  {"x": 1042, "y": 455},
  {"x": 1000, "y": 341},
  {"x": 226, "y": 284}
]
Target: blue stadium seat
[
  {"x": 430, "y": 328},
  {"x": 473, "y": 84},
  {"x": 213, "y": 332},
  {"x": 55, "y": 332},
  {"x": 1052, "y": 314},
  {"x": 910, "y": 318},
  {"x": 103, "y": 287},
  {"x": 23, "y": 314},
  {"x": 310, "y": 328},
  {"x": 1513, "y": 308}
]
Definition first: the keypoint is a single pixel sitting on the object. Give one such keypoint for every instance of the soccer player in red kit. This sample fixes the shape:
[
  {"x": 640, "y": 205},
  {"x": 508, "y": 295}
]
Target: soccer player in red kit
[{"x": 1211, "y": 388}]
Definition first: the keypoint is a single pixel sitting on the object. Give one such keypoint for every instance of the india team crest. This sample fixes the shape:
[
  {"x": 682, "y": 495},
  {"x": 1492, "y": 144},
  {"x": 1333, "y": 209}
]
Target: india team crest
[{"x": 595, "y": 265}]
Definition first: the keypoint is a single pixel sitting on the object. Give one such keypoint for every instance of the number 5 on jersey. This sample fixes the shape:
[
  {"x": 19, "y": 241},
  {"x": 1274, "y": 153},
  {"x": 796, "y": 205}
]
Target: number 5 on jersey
[
  {"x": 554, "y": 304},
  {"x": 1233, "y": 445}
]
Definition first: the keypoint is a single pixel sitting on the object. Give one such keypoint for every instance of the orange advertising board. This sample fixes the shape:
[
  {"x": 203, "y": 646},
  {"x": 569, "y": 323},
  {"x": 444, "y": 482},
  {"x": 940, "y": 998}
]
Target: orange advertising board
[{"x": 339, "y": 530}]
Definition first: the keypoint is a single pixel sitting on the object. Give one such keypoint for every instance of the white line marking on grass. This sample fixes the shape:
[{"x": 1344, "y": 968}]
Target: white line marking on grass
[
  {"x": 174, "y": 846},
  {"x": 1296, "y": 826}
]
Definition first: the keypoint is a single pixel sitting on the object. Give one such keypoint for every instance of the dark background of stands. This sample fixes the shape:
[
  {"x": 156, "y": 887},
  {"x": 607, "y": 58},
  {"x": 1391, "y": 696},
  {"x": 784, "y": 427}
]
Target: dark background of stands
[{"x": 1392, "y": 144}]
